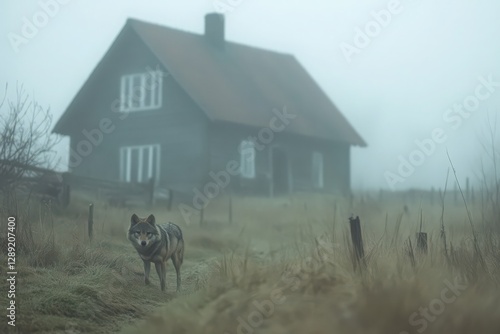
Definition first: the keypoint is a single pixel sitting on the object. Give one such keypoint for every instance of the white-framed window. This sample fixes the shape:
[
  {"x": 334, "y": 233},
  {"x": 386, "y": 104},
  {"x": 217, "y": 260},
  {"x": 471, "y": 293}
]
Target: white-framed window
[
  {"x": 141, "y": 91},
  {"x": 317, "y": 169},
  {"x": 138, "y": 164},
  {"x": 247, "y": 159}
]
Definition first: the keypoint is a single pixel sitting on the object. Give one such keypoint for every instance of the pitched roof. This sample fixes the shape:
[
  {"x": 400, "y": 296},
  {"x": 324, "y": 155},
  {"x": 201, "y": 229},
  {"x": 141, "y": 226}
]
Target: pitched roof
[{"x": 242, "y": 84}]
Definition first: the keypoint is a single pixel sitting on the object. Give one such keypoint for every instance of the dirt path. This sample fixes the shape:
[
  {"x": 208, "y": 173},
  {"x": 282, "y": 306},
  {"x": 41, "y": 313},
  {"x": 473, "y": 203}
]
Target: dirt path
[{"x": 194, "y": 273}]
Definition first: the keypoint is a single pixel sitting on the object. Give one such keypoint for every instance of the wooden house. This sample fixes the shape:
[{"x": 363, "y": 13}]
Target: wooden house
[{"x": 191, "y": 110}]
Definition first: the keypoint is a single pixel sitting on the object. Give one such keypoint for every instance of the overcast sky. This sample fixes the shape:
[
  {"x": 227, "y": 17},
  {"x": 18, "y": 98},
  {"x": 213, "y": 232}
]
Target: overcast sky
[{"x": 403, "y": 82}]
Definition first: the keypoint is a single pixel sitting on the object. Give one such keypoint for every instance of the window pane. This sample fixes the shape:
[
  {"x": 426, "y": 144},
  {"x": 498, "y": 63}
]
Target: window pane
[
  {"x": 141, "y": 91},
  {"x": 134, "y": 165},
  {"x": 156, "y": 163},
  {"x": 136, "y": 92},
  {"x": 156, "y": 89},
  {"x": 247, "y": 164},
  {"x": 139, "y": 164},
  {"x": 148, "y": 93},
  {"x": 149, "y": 89},
  {"x": 145, "y": 164},
  {"x": 123, "y": 165}
]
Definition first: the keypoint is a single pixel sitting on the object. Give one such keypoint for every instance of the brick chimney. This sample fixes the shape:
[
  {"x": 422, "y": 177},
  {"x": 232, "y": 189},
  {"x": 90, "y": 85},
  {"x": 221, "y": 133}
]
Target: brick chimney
[{"x": 214, "y": 29}]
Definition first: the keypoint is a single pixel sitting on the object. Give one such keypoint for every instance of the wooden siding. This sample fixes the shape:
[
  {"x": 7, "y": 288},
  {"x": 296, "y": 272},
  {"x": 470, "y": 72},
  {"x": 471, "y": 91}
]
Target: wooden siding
[
  {"x": 191, "y": 146},
  {"x": 225, "y": 138},
  {"x": 179, "y": 126}
]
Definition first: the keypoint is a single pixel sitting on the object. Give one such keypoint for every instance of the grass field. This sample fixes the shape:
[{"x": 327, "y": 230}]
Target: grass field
[{"x": 284, "y": 265}]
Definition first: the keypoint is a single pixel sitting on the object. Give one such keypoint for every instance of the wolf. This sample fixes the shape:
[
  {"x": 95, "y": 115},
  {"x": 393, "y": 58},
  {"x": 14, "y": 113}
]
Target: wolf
[{"x": 157, "y": 243}]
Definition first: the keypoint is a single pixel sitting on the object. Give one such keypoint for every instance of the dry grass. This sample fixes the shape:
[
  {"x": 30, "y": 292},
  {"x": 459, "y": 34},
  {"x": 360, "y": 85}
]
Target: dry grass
[{"x": 284, "y": 265}]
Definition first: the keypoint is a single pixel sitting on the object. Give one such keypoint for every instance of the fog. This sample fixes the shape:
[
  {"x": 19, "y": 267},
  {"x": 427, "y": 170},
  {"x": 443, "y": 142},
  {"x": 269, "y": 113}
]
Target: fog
[{"x": 398, "y": 91}]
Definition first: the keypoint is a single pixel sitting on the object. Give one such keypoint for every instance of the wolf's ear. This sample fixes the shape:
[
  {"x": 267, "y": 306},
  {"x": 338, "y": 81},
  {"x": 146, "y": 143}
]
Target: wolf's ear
[
  {"x": 151, "y": 219},
  {"x": 134, "y": 220}
]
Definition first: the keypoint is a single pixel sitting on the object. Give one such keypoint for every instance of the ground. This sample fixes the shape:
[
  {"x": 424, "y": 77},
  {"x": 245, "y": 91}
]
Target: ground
[{"x": 282, "y": 265}]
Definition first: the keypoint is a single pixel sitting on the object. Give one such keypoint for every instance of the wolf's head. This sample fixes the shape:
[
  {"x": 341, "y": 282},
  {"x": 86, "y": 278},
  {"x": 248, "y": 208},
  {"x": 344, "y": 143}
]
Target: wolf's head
[{"x": 143, "y": 232}]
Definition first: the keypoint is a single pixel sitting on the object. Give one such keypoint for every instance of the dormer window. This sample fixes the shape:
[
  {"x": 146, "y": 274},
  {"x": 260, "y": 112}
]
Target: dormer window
[{"x": 141, "y": 91}]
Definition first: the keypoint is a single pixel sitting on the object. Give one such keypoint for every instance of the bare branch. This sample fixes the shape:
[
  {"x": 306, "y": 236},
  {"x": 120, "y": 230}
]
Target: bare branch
[{"x": 25, "y": 139}]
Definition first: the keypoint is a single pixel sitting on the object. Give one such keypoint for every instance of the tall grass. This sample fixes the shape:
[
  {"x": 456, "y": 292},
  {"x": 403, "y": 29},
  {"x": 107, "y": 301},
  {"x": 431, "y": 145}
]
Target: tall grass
[
  {"x": 291, "y": 255},
  {"x": 63, "y": 283},
  {"x": 34, "y": 228},
  {"x": 318, "y": 290}
]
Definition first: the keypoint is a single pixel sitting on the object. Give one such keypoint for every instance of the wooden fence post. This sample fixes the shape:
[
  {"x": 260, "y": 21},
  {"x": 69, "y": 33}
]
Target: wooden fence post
[
  {"x": 422, "y": 242},
  {"x": 91, "y": 222},
  {"x": 230, "y": 210},
  {"x": 409, "y": 251},
  {"x": 357, "y": 239}
]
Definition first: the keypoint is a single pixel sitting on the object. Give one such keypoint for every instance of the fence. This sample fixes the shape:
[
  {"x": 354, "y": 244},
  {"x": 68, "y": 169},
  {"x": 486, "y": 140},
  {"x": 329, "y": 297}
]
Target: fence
[
  {"x": 32, "y": 180},
  {"x": 58, "y": 186},
  {"x": 114, "y": 192}
]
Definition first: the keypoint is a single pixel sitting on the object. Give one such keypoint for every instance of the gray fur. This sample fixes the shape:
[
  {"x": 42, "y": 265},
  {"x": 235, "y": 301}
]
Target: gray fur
[{"x": 157, "y": 243}]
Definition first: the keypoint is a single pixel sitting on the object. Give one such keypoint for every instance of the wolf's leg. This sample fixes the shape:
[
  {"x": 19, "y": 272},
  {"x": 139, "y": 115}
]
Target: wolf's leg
[
  {"x": 158, "y": 266},
  {"x": 147, "y": 268},
  {"x": 180, "y": 252},
  {"x": 164, "y": 272},
  {"x": 177, "y": 261}
]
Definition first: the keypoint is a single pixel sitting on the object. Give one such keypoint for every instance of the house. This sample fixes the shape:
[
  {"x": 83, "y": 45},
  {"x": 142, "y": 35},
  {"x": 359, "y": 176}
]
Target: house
[{"x": 192, "y": 111}]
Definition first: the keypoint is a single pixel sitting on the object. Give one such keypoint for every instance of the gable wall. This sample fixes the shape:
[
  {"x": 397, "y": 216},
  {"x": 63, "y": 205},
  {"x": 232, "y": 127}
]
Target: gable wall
[{"x": 179, "y": 126}]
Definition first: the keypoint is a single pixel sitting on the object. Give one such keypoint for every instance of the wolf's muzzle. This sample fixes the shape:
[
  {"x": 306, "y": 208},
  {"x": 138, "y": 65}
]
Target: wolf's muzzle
[{"x": 143, "y": 243}]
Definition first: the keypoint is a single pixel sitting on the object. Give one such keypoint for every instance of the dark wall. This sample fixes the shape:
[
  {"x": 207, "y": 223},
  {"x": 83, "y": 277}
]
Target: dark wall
[
  {"x": 179, "y": 126},
  {"x": 190, "y": 147},
  {"x": 225, "y": 138},
  {"x": 224, "y": 141}
]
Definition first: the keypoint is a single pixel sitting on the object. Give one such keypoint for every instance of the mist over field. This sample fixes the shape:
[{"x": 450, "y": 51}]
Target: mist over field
[
  {"x": 395, "y": 89},
  {"x": 237, "y": 166}
]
